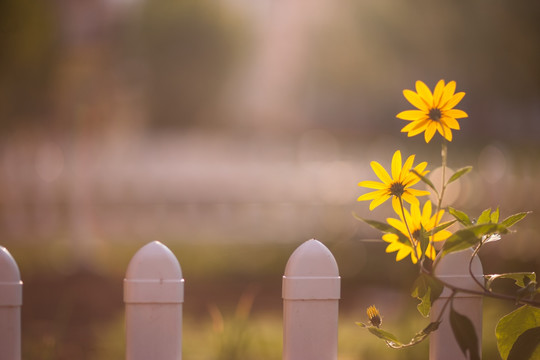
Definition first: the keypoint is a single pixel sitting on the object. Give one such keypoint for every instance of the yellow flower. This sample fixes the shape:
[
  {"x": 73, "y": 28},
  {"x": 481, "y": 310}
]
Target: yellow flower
[
  {"x": 417, "y": 222},
  {"x": 397, "y": 186},
  {"x": 435, "y": 110},
  {"x": 374, "y": 316}
]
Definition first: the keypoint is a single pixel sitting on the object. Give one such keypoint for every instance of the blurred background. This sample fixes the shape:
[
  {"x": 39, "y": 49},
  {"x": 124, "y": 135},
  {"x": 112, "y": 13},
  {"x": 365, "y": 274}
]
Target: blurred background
[{"x": 234, "y": 130}]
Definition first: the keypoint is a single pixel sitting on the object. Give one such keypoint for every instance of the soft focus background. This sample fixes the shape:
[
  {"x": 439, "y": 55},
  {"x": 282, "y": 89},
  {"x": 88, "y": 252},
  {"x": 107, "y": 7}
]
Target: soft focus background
[{"x": 234, "y": 130}]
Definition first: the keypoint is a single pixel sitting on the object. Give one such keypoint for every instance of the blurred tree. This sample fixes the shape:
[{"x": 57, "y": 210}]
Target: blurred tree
[
  {"x": 490, "y": 47},
  {"x": 29, "y": 40},
  {"x": 183, "y": 52}
]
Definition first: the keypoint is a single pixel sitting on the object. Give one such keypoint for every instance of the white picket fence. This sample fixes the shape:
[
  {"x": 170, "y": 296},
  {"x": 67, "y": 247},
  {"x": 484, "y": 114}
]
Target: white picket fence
[{"x": 154, "y": 295}]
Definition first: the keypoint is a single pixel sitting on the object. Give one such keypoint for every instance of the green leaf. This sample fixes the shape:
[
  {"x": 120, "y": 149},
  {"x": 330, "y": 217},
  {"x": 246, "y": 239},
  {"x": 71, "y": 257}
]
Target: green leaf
[
  {"x": 442, "y": 226},
  {"x": 423, "y": 239},
  {"x": 382, "y": 334},
  {"x": 385, "y": 228},
  {"x": 460, "y": 216},
  {"x": 495, "y": 216},
  {"x": 385, "y": 335},
  {"x": 393, "y": 342},
  {"x": 522, "y": 279},
  {"x": 512, "y": 219},
  {"x": 465, "y": 334},
  {"x": 485, "y": 217},
  {"x": 420, "y": 336},
  {"x": 459, "y": 174},
  {"x": 426, "y": 181},
  {"x": 512, "y": 326},
  {"x": 427, "y": 289},
  {"x": 527, "y": 346},
  {"x": 468, "y": 237}
]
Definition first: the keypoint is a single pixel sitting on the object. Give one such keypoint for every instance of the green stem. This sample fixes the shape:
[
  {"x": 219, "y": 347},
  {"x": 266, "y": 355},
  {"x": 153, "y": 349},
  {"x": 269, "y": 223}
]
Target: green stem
[
  {"x": 444, "y": 159},
  {"x": 413, "y": 241},
  {"x": 474, "y": 254},
  {"x": 448, "y": 300},
  {"x": 485, "y": 292}
]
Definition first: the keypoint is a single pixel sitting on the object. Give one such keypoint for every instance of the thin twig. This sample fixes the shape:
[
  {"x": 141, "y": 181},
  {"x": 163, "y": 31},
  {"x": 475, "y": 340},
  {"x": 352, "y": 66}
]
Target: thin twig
[{"x": 487, "y": 293}]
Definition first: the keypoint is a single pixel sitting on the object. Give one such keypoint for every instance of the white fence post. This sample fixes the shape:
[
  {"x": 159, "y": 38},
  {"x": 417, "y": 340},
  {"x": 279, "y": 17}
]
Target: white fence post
[
  {"x": 154, "y": 294},
  {"x": 311, "y": 292},
  {"x": 10, "y": 307},
  {"x": 453, "y": 269}
]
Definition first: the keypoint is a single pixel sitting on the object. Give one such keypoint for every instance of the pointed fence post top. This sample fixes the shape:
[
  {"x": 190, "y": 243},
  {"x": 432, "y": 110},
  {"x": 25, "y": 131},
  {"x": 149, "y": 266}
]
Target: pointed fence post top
[
  {"x": 10, "y": 280},
  {"x": 311, "y": 274},
  {"x": 9, "y": 271},
  {"x": 154, "y": 261},
  {"x": 312, "y": 259},
  {"x": 154, "y": 276}
]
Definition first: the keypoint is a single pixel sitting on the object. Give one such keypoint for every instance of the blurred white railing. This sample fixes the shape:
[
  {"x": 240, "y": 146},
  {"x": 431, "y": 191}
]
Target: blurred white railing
[{"x": 154, "y": 296}]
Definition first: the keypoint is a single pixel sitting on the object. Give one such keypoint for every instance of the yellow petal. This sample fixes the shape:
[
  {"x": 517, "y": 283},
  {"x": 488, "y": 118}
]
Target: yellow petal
[
  {"x": 372, "y": 195},
  {"x": 396, "y": 165},
  {"x": 413, "y": 124},
  {"x": 404, "y": 252},
  {"x": 424, "y": 92},
  {"x": 450, "y": 122},
  {"x": 378, "y": 201},
  {"x": 456, "y": 113},
  {"x": 437, "y": 93},
  {"x": 372, "y": 184},
  {"x": 430, "y": 252},
  {"x": 441, "y": 235},
  {"x": 420, "y": 127},
  {"x": 426, "y": 213},
  {"x": 416, "y": 216},
  {"x": 396, "y": 205},
  {"x": 410, "y": 198},
  {"x": 390, "y": 237},
  {"x": 453, "y": 101},
  {"x": 420, "y": 168},
  {"x": 412, "y": 178},
  {"x": 416, "y": 192},
  {"x": 411, "y": 114},
  {"x": 381, "y": 173},
  {"x": 405, "y": 170},
  {"x": 393, "y": 246},
  {"x": 447, "y": 94},
  {"x": 416, "y": 100},
  {"x": 444, "y": 131},
  {"x": 430, "y": 131},
  {"x": 398, "y": 225}
]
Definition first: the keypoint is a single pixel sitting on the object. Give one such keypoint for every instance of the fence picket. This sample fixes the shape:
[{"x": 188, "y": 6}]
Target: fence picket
[
  {"x": 10, "y": 307},
  {"x": 453, "y": 269},
  {"x": 311, "y": 292},
  {"x": 154, "y": 296}
]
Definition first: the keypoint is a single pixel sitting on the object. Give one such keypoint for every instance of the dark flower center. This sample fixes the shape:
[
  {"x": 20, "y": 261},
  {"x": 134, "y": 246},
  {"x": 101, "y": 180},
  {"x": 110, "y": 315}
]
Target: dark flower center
[
  {"x": 435, "y": 114},
  {"x": 375, "y": 320},
  {"x": 416, "y": 234},
  {"x": 397, "y": 189}
]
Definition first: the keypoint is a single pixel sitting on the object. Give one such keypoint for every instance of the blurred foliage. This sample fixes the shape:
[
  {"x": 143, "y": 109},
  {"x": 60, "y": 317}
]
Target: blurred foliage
[
  {"x": 29, "y": 43},
  {"x": 185, "y": 50},
  {"x": 181, "y": 55},
  {"x": 491, "y": 48},
  {"x": 58, "y": 56}
]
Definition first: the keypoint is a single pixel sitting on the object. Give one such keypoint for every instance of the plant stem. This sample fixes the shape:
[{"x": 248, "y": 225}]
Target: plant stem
[
  {"x": 450, "y": 298},
  {"x": 474, "y": 254},
  {"x": 486, "y": 293},
  {"x": 413, "y": 241},
  {"x": 444, "y": 159}
]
